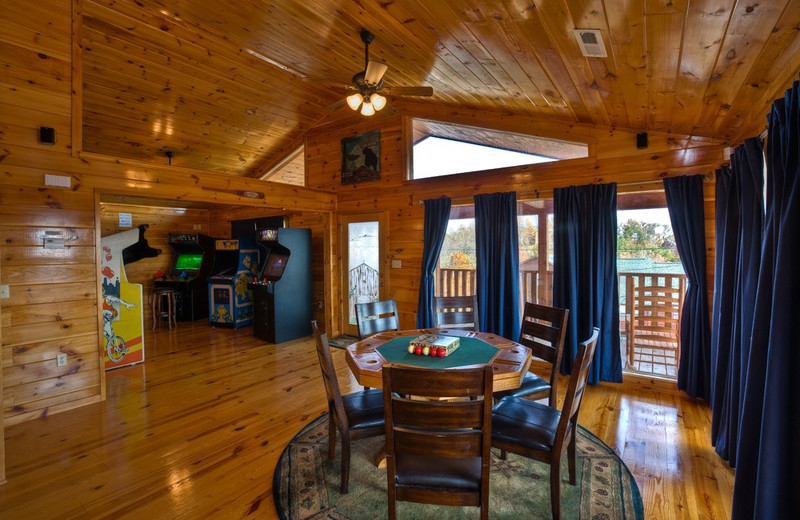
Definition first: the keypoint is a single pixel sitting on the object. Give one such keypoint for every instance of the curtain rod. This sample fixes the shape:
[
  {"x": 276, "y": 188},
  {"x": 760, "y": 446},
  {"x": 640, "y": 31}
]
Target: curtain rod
[{"x": 539, "y": 193}]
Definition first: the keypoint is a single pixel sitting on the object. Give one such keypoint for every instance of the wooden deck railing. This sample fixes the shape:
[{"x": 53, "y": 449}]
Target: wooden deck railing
[
  {"x": 461, "y": 282},
  {"x": 650, "y": 310}
]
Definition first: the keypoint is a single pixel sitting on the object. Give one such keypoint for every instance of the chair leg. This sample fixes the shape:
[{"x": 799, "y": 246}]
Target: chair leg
[
  {"x": 392, "y": 498},
  {"x": 503, "y": 454},
  {"x": 571, "y": 459},
  {"x": 153, "y": 300},
  {"x": 345, "y": 463},
  {"x": 331, "y": 437},
  {"x": 555, "y": 487}
]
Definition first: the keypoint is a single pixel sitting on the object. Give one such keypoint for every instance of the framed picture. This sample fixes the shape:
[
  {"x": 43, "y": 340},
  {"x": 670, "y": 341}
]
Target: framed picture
[{"x": 361, "y": 158}]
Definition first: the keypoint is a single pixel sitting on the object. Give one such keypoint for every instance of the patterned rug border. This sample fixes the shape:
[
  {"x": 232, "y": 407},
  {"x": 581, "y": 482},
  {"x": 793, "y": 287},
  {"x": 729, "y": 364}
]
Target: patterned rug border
[{"x": 278, "y": 488}]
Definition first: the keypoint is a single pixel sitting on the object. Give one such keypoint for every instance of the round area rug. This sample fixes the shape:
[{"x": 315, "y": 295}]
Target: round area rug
[{"x": 306, "y": 484}]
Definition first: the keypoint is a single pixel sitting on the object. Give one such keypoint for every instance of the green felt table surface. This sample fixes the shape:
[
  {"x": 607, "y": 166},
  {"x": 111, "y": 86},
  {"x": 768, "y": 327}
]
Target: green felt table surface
[{"x": 471, "y": 351}]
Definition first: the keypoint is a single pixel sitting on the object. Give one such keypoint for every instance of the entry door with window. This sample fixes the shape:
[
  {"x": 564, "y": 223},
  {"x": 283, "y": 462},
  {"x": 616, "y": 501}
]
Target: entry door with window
[{"x": 363, "y": 264}]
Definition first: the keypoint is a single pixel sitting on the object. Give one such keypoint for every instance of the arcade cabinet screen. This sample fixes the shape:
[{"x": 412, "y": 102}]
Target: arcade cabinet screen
[
  {"x": 276, "y": 263},
  {"x": 188, "y": 262}
]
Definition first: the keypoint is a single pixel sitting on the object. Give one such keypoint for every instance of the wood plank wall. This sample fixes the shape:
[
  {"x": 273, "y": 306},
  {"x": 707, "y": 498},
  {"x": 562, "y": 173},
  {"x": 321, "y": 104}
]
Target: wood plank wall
[
  {"x": 54, "y": 292},
  {"x": 613, "y": 157},
  {"x": 53, "y": 303},
  {"x": 161, "y": 221}
]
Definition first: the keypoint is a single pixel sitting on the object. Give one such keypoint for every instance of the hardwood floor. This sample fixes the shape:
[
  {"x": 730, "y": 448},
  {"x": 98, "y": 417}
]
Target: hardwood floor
[{"x": 196, "y": 432}]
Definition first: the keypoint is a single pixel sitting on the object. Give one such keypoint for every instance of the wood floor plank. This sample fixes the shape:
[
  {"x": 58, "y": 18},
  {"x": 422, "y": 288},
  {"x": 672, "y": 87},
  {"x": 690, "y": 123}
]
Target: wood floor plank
[{"x": 197, "y": 430}]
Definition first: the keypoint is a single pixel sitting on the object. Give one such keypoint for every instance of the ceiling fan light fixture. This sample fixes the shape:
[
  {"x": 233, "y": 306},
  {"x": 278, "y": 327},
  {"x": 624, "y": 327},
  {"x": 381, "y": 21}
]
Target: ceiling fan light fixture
[
  {"x": 354, "y": 100},
  {"x": 367, "y": 109},
  {"x": 378, "y": 101}
]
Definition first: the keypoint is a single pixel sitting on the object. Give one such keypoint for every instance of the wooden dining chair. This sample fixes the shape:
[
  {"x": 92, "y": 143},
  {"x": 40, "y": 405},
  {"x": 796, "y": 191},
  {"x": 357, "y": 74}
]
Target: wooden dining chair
[
  {"x": 541, "y": 432},
  {"x": 437, "y": 451},
  {"x": 543, "y": 331},
  {"x": 456, "y": 312},
  {"x": 376, "y": 317},
  {"x": 357, "y": 416}
]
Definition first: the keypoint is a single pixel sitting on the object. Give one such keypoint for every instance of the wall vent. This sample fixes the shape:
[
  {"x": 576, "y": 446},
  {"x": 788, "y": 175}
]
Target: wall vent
[
  {"x": 62, "y": 181},
  {"x": 591, "y": 43}
]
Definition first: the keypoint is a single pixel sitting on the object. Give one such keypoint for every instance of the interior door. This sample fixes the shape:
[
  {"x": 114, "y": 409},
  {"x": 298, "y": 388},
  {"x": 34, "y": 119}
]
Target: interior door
[{"x": 363, "y": 264}]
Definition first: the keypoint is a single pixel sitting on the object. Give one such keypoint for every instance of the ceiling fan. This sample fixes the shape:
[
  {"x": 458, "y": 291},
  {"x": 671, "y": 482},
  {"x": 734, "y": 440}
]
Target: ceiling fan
[{"x": 369, "y": 84}]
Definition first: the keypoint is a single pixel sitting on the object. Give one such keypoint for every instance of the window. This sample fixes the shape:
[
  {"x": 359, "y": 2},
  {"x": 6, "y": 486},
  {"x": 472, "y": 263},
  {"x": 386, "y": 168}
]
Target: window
[
  {"x": 457, "y": 260},
  {"x": 444, "y": 149},
  {"x": 456, "y": 272},
  {"x": 535, "y": 236}
]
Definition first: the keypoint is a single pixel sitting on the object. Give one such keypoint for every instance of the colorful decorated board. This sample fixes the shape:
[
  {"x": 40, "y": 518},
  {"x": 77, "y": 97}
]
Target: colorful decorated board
[{"x": 123, "y": 312}]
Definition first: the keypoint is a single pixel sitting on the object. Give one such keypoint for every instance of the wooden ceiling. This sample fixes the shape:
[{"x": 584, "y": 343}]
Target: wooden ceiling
[{"x": 232, "y": 85}]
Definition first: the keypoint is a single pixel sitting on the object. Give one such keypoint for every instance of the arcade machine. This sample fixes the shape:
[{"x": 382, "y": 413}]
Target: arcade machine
[
  {"x": 282, "y": 293},
  {"x": 236, "y": 264},
  {"x": 194, "y": 256}
]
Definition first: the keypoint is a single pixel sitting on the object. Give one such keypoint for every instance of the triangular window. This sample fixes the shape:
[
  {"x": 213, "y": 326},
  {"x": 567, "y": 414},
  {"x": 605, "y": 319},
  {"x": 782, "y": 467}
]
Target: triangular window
[{"x": 446, "y": 149}]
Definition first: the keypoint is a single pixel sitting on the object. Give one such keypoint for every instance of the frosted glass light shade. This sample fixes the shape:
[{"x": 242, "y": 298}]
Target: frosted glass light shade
[
  {"x": 354, "y": 100},
  {"x": 367, "y": 109},
  {"x": 378, "y": 101}
]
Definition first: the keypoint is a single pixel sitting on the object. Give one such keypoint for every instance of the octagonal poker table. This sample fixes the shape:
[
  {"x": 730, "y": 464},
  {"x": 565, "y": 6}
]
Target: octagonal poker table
[{"x": 509, "y": 360}]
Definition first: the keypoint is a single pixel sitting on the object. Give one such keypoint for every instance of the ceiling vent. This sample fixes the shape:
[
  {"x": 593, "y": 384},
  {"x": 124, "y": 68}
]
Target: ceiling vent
[{"x": 591, "y": 43}]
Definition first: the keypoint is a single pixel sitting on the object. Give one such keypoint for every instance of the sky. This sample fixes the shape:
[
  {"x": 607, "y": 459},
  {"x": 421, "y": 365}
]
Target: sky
[
  {"x": 657, "y": 215},
  {"x": 434, "y": 157}
]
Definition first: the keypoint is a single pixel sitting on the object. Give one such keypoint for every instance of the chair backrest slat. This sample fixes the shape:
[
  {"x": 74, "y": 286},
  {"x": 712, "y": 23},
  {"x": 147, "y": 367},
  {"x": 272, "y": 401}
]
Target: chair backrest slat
[
  {"x": 456, "y": 312},
  {"x": 374, "y": 317},
  {"x": 544, "y": 324},
  {"x": 426, "y": 443},
  {"x": 438, "y": 414}
]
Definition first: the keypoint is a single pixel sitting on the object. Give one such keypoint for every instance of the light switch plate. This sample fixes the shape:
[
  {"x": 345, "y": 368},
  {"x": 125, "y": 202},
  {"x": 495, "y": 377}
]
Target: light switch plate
[
  {"x": 4, "y": 292},
  {"x": 396, "y": 264},
  {"x": 61, "y": 360}
]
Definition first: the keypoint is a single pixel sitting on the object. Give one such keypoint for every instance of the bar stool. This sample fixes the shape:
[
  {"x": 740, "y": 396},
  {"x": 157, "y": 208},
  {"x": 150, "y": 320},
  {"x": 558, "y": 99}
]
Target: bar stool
[{"x": 163, "y": 304}]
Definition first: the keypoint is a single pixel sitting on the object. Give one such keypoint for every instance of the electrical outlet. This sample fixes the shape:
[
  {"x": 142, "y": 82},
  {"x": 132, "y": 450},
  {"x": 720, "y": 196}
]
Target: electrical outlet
[
  {"x": 61, "y": 360},
  {"x": 4, "y": 293}
]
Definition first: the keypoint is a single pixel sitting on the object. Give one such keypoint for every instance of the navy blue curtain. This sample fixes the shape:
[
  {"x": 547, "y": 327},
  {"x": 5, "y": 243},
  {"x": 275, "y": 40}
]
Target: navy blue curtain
[
  {"x": 585, "y": 274},
  {"x": 767, "y": 477},
  {"x": 496, "y": 245},
  {"x": 739, "y": 223},
  {"x": 437, "y": 215},
  {"x": 685, "y": 205}
]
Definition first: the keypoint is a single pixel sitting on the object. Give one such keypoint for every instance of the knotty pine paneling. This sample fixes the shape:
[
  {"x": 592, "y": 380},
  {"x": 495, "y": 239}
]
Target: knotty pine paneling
[
  {"x": 161, "y": 221},
  {"x": 36, "y": 43},
  {"x": 613, "y": 158}
]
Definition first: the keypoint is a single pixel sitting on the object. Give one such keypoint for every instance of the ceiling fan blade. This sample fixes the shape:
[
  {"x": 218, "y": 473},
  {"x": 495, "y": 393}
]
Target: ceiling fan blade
[
  {"x": 409, "y": 91},
  {"x": 374, "y": 73}
]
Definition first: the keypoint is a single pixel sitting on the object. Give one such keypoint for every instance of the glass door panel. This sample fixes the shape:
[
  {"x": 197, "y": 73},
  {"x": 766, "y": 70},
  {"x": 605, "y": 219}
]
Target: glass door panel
[{"x": 363, "y": 263}]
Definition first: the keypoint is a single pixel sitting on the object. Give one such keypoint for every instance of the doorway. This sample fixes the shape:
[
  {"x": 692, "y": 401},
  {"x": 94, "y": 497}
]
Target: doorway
[{"x": 363, "y": 269}]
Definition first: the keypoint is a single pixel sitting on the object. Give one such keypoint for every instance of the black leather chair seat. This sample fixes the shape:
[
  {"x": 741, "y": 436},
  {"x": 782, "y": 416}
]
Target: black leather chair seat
[
  {"x": 525, "y": 423},
  {"x": 417, "y": 471},
  {"x": 531, "y": 384},
  {"x": 364, "y": 409}
]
